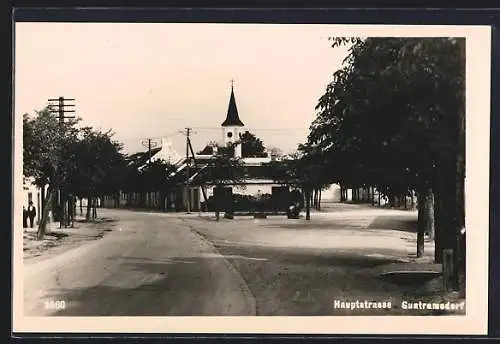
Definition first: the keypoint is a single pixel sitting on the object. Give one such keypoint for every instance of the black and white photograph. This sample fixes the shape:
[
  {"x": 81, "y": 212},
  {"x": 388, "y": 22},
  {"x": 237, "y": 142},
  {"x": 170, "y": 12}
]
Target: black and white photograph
[{"x": 192, "y": 174}]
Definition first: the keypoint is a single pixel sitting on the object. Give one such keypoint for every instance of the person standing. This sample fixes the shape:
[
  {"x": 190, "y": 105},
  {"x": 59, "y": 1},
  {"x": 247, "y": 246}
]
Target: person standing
[{"x": 31, "y": 213}]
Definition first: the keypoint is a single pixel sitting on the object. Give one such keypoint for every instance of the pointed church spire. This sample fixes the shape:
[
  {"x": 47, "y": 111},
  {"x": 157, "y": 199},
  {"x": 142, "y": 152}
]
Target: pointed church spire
[{"x": 232, "y": 118}]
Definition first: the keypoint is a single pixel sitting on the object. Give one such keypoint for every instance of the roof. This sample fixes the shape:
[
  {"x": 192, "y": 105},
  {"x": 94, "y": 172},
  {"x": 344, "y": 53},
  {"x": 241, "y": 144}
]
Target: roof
[
  {"x": 165, "y": 152},
  {"x": 232, "y": 118},
  {"x": 141, "y": 158},
  {"x": 180, "y": 176}
]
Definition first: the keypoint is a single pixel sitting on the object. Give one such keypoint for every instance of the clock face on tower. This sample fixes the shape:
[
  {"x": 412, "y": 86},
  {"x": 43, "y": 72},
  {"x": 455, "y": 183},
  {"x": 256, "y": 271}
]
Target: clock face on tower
[{"x": 229, "y": 134}]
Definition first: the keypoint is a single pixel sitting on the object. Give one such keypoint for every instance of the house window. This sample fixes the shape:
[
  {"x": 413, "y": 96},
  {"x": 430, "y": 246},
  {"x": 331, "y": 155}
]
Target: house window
[{"x": 30, "y": 196}]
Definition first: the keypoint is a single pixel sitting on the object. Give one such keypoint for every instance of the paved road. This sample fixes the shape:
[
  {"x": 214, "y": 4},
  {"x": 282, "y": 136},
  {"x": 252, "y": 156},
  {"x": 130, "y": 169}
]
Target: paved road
[
  {"x": 150, "y": 265},
  {"x": 162, "y": 264}
]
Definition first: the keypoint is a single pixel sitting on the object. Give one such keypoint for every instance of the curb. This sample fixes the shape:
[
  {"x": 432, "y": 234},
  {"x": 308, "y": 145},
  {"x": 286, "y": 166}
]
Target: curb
[{"x": 245, "y": 290}]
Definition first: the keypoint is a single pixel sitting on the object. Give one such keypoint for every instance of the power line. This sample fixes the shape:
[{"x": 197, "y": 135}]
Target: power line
[
  {"x": 154, "y": 138},
  {"x": 277, "y": 131},
  {"x": 187, "y": 131},
  {"x": 257, "y": 129}
]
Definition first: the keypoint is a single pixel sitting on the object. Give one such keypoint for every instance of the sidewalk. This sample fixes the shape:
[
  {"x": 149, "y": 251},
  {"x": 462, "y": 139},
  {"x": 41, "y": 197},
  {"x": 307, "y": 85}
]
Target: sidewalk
[{"x": 58, "y": 240}]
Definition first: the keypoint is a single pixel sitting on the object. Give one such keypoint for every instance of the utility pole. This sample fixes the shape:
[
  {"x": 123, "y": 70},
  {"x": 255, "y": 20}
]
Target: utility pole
[
  {"x": 188, "y": 172},
  {"x": 202, "y": 187},
  {"x": 149, "y": 144},
  {"x": 60, "y": 109},
  {"x": 188, "y": 133}
]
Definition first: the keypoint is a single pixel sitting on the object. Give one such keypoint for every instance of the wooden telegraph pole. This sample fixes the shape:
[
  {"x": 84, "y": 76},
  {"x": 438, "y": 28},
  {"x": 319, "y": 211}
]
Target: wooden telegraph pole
[
  {"x": 188, "y": 170},
  {"x": 188, "y": 133},
  {"x": 149, "y": 144},
  {"x": 202, "y": 187},
  {"x": 61, "y": 109}
]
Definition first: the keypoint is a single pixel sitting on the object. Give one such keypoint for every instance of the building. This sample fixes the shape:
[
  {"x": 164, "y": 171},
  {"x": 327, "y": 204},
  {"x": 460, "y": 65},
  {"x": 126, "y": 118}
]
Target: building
[{"x": 191, "y": 175}]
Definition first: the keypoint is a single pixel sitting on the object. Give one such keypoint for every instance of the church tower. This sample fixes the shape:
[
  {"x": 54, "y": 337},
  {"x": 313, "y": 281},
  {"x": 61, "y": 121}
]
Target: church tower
[{"x": 232, "y": 126}]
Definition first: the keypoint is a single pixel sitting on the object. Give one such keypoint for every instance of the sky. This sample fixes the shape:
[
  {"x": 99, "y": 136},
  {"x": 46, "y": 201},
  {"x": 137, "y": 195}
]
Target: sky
[{"x": 154, "y": 80}]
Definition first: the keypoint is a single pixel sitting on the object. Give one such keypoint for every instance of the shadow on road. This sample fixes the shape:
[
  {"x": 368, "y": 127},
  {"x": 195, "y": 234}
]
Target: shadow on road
[
  {"x": 156, "y": 288},
  {"x": 316, "y": 225},
  {"x": 395, "y": 223},
  {"x": 96, "y": 221},
  {"x": 356, "y": 258},
  {"x": 381, "y": 222},
  {"x": 57, "y": 235}
]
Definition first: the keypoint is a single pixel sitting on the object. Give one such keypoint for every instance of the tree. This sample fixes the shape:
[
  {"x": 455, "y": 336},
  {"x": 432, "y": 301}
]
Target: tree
[
  {"x": 275, "y": 152},
  {"x": 303, "y": 169},
  {"x": 156, "y": 176},
  {"x": 209, "y": 149},
  {"x": 98, "y": 164},
  {"x": 389, "y": 119},
  {"x": 310, "y": 168},
  {"x": 251, "y": 146},
  {"x": 44, "y": 142}
]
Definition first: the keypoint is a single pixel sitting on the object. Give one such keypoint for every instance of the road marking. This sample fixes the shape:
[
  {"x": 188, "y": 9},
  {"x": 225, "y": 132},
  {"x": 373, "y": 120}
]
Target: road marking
[
  {"x": 231, "y": 256},
  {"x": 243, "y": 257}
]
